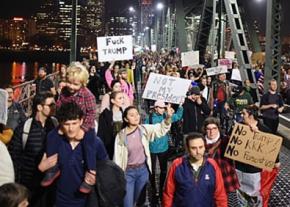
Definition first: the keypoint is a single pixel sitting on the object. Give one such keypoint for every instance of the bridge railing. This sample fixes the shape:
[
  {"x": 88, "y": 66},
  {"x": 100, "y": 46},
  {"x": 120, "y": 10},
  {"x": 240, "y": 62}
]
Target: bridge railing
[{"x": 25, "y": 92}]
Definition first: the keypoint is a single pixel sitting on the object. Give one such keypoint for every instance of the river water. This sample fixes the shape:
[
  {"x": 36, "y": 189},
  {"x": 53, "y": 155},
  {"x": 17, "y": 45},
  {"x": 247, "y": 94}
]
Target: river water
[{"x": 18, "y": 72}]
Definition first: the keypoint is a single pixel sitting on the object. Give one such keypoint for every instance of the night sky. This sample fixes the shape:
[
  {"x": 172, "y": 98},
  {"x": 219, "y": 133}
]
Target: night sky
[{"x": 256, "y": 9}]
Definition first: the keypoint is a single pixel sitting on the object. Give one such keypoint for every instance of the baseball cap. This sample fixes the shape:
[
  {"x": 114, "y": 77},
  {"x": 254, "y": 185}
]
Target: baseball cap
[
  {"x": 159, "y": 103},
  {"x": 194, "y": 90}
]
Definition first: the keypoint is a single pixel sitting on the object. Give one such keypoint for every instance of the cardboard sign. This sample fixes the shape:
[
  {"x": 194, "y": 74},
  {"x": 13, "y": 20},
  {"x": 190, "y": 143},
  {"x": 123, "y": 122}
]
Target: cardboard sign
[
  {"x": 115, "y": 48},
  {"x": 190, "y": 58},
  {"x": 216, "y": 70},
  {"x": 167, "y": 88},
  {"x": 226, "y": 62},
  {"x": 257, "y": 149}
]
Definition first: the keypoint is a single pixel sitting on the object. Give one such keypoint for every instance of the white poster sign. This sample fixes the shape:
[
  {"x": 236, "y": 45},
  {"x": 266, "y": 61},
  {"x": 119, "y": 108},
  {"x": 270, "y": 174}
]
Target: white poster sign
[
  {"x": 230, "y": 55},
  {"x": 153, "y": 48},
  {"x": 167, "y": 88},
  {"x": 115, "y": 48},
  {"x": 190, "y": 58},
  {"x": 216, "y": 70},
  {"x": 236, "y": 75}
]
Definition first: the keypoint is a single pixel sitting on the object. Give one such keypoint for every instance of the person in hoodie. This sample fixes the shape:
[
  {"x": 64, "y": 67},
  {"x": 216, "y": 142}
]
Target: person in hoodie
[
  {"x": 159, "y": 147},
  {"x": 195, "y": 110}
]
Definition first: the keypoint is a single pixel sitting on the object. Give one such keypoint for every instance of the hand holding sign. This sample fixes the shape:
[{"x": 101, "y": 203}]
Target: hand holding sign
[
  {"x": 166, "y": 88},
  {"x": 115, "y": 48},
  {"x": 253, "y": 147},
  {"x": 170, "y": 112}
]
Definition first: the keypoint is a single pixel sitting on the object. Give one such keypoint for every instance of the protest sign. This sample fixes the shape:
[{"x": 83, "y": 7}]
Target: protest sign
[
  {"x": 167, "y": 88},
  {"x": 153, "y": 48},
  {"x": 226, "y": 62},
  {"x": 230, "y": 55},
  {"x": 216, "y": 70},
  {"x": 190, "y": 58},
  {"x": 236, "y": 75},
  {"x": 115, "y": 48},
  {"x": 255, "y": 148}
]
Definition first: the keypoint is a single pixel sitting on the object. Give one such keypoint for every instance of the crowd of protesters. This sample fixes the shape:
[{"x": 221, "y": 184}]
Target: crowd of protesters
[{"x": 92, "y": 112}]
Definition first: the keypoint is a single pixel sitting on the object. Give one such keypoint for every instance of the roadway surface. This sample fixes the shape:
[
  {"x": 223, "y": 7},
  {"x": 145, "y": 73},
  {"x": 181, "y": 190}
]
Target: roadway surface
[{"x": 280, "y": 196}]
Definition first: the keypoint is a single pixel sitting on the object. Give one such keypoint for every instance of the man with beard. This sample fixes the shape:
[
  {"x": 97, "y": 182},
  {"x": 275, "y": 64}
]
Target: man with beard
[
  {"x": 27, "y": 147},
  {"x": 42, "y": 83},
  {"x": 16, "y": 114}
]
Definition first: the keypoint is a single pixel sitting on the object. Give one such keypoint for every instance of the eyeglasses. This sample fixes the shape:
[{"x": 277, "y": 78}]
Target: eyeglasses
[
  {"x": 49, "y": 105},
  {"x": 210, "y": 129}
]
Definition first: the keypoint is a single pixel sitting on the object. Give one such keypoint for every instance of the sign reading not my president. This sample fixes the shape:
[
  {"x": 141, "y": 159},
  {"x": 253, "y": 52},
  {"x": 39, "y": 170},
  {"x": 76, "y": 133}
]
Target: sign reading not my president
[
  {"x": 255, "y": 148},
  {"x": 115, "y": 48},
  {"x": 167, "y": 88}
]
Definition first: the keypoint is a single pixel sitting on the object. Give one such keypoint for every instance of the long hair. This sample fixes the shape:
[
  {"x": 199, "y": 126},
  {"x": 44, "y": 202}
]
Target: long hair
[
  {"x": 125, "y": 123},
  {"x": 113, "y": 95}
]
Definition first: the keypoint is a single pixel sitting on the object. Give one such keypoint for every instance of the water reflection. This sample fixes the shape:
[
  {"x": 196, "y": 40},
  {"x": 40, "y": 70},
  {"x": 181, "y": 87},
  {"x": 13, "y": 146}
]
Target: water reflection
[{"x": 18, "y": 72}]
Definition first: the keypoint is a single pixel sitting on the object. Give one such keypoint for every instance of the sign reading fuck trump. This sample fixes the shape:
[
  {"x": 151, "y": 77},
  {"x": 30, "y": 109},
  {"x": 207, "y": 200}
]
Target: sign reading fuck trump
[{"x": 113, "y": 48}]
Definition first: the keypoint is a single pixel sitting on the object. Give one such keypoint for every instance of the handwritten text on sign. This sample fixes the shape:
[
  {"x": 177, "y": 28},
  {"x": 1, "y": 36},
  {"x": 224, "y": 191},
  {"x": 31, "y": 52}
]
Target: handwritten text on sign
[
  {"x": 166, "y": 88},
  {"x": 216, "y": 70},
  {"x": 257, "y": 149},
  {"x": 115, "y": 48}
]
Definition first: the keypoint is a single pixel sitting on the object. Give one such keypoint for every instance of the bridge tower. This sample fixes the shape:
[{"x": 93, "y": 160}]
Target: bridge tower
[{"x": 146, "y": 21}]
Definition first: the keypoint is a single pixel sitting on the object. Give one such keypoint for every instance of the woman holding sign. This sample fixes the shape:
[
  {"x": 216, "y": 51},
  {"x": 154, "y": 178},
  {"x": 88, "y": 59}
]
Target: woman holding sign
[{"x": 256, "y": 184}]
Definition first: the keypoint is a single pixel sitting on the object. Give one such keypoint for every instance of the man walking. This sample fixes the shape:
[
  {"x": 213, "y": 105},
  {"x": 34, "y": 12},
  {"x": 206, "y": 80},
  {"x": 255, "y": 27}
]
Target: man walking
[
  {"x": 27, "y": 147},
  {"x": 271, "y": 105},
  {"x": 194, "y": 180}
]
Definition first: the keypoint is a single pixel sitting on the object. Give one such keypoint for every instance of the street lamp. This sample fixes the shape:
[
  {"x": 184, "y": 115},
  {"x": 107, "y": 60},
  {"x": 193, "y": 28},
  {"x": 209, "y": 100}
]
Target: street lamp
[
  {"x": 159, "y": 25},
  {"x": 159, "y": 6},
  {"x": 131, "y": 9}
]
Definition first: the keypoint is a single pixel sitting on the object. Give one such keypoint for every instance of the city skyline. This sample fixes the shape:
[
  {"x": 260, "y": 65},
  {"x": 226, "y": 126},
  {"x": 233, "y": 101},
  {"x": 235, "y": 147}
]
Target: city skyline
[{"x": 256, "y": 8}]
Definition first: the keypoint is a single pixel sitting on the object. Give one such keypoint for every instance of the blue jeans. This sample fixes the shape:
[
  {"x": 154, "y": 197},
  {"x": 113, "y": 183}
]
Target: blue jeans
[{"x": 136, "y": 179}]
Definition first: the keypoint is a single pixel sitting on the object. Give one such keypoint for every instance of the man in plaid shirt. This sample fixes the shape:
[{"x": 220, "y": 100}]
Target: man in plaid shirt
[{"x": 216, "y": 145}]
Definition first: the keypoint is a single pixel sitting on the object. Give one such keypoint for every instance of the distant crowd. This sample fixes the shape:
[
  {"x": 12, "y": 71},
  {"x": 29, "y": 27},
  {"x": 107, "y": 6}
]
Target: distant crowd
[{"x": 92, "y": 114}]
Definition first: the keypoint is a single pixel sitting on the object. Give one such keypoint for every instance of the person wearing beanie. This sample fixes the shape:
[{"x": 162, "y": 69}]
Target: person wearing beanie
[{"x": 195, "y": 110}]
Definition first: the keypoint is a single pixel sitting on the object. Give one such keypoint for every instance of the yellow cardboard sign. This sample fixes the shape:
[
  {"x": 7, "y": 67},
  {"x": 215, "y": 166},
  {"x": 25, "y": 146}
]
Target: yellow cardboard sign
[{"x": 258, "y": 149}]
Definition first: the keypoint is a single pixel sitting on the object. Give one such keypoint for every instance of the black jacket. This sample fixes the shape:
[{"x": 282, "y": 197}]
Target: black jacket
[
  {"x": 26, "y": 160},
  {"x": 105, "y": 131},
  {"x": 194, "y": 115}
]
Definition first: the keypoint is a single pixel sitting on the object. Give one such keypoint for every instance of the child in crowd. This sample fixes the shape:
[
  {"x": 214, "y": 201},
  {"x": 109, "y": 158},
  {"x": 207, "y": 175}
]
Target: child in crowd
[{"x": 76, "y": 91}]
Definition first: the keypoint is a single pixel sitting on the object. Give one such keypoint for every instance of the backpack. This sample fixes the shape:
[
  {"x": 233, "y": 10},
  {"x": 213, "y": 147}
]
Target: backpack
[
  {"x": 110, "y": 184},
  {"x": 26, "y": 129}
]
